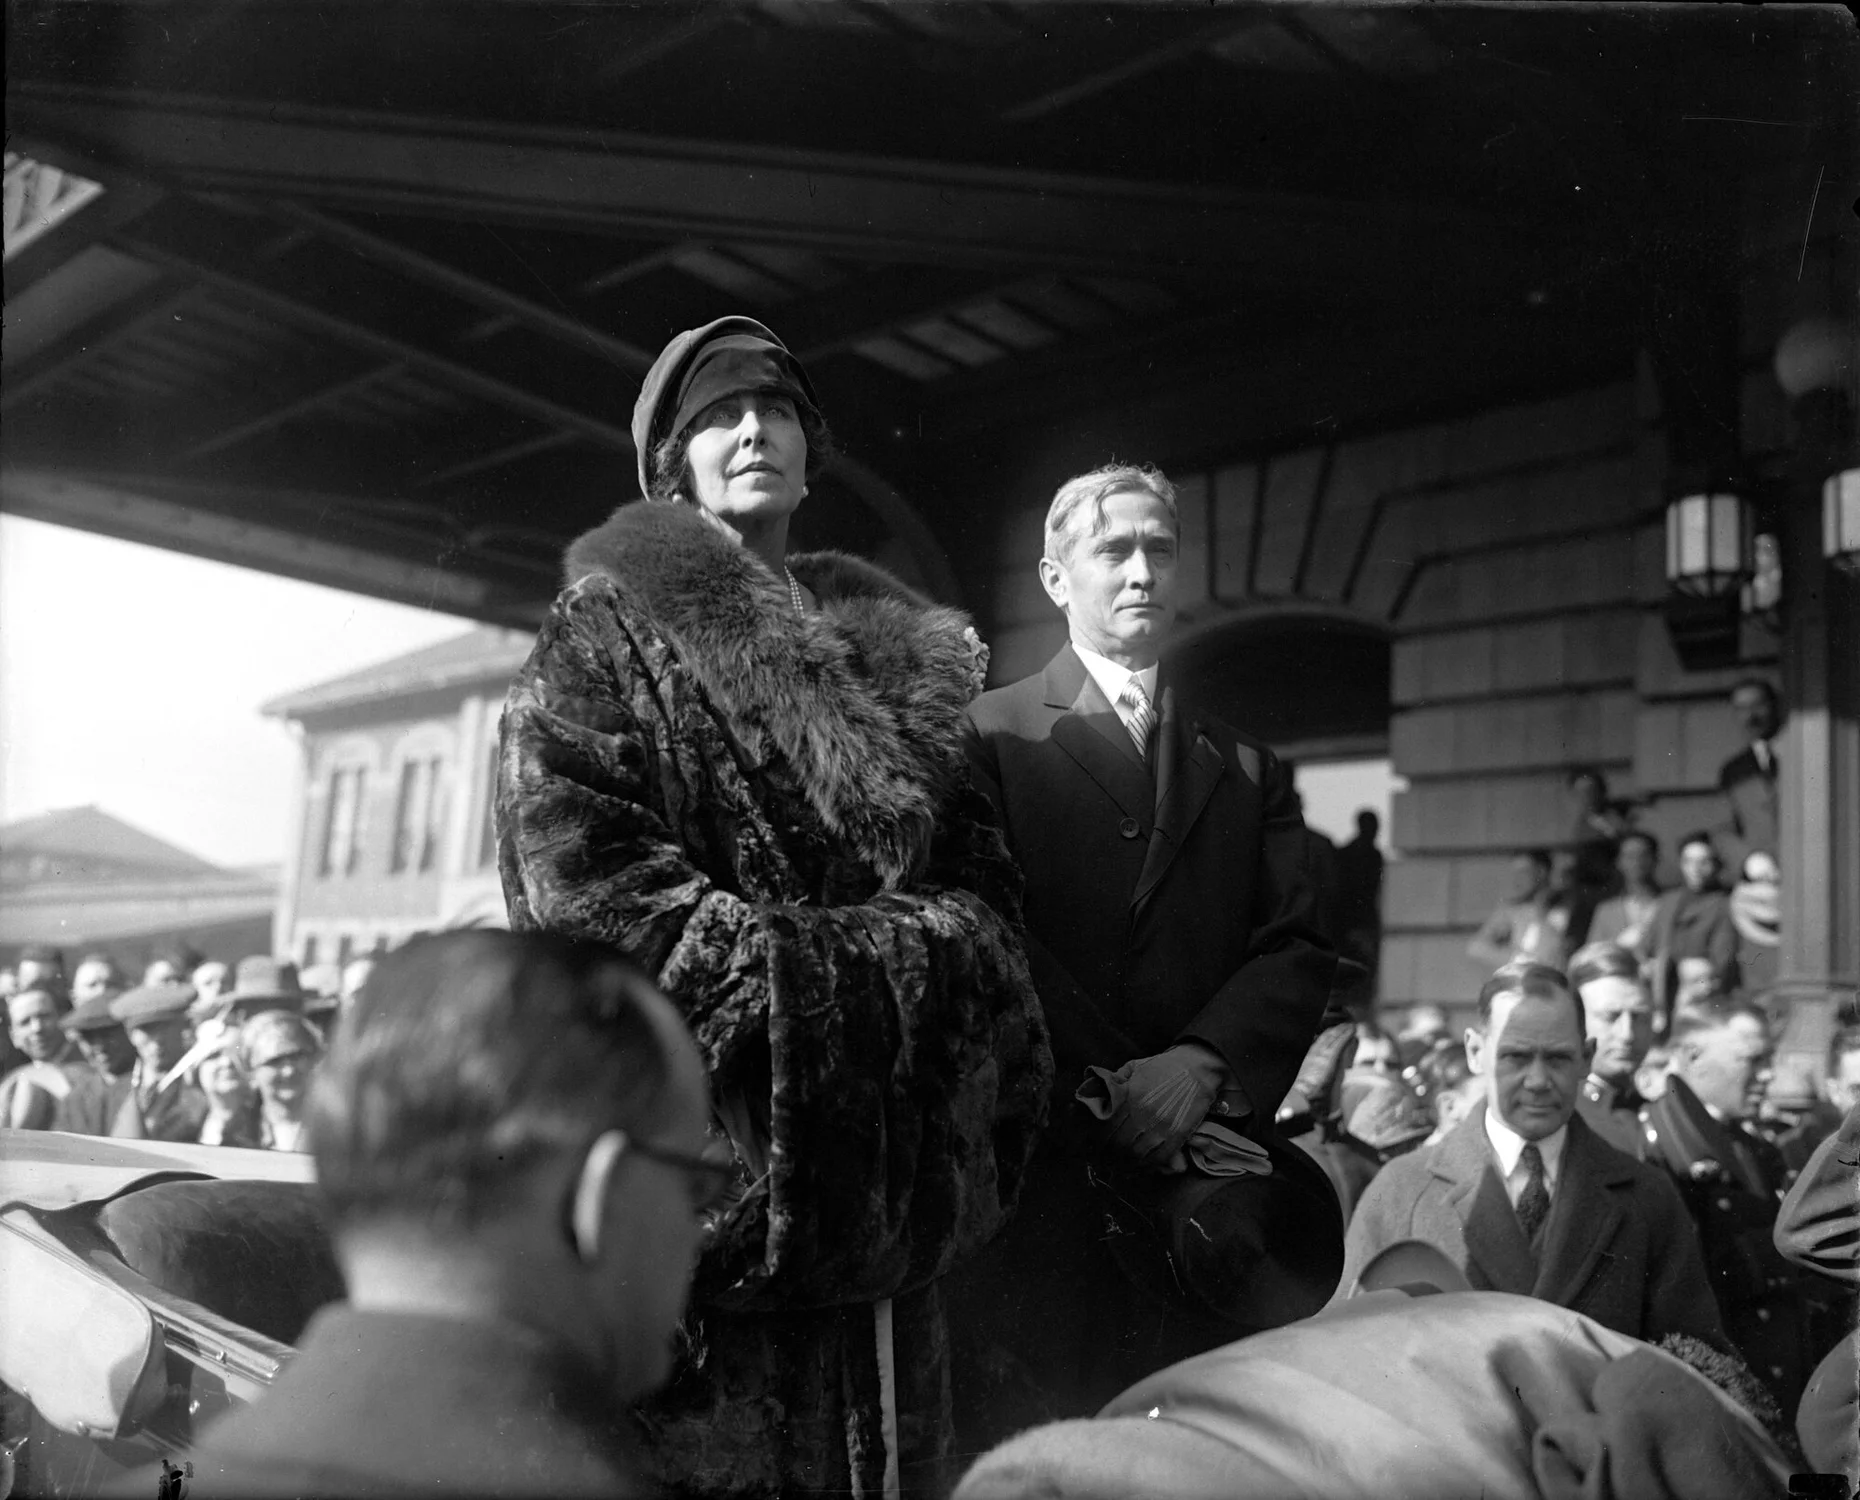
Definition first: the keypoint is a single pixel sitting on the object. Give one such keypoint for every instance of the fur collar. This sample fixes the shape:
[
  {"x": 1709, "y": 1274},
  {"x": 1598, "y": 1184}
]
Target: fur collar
[{"x": 864, "y": 697}]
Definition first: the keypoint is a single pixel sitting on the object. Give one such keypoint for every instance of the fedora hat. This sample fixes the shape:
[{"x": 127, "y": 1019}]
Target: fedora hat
[
  {"x": 1253, "y": 1251},
  {"x": 264, "y": 983}
]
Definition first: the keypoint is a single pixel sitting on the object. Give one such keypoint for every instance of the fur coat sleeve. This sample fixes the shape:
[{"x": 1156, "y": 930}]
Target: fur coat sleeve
[{"x": 772, "y": 815}]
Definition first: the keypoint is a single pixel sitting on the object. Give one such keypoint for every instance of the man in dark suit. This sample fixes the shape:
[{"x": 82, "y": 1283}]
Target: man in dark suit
[
  {"x": 1525, "y": 1198},
  {"x": 509, "y": 1135},
  {"x": 1732, "y": 1181},
  {"x": 1748, "y": 778},
  {"x": 1174, "y": 941}
]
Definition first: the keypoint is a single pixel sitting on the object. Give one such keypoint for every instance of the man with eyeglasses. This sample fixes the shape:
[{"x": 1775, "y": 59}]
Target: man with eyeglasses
[{"x": 511, "y": 1133}]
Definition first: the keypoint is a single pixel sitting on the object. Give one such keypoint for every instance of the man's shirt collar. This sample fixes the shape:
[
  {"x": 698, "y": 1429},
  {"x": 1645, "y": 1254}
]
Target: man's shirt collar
[
  {"x": 1111, "y": 677},
  {"x": 1508, "y": 1145}
]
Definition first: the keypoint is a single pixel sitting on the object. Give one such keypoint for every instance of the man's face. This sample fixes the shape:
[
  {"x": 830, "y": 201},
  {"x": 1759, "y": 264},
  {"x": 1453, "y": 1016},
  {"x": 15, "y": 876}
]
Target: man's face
[
  {"x": 1697, "y": 979},
  {"x": 1533, "y": 1057},
  {"x": 1525, "y": 878},
  {"x": 107, "y": 1049},
  {"x": 1843, "y": 1085},
  {"x": 212, "y": 979},
  {"x": 159, "y": 1044},
  {"x": 1636, "y": 863},
  {"x": 94, "y": 977},
  {"x": 1619, "y": 1017},
  {"x": 1729, "y": 1066},
  {"x": 1756, "y": 711},
  {"x": 162, "y": 971},
  {"x": 32, "y": 1017},
  {"x": 1117, "y": 585},
  {"x": 1698, "y": 866}
]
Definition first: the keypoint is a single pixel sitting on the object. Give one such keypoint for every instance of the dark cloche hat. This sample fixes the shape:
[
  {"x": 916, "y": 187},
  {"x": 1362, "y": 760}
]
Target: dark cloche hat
[
  {"x": 702, "y": 365},
  {"x": 152, "y": 1002}
]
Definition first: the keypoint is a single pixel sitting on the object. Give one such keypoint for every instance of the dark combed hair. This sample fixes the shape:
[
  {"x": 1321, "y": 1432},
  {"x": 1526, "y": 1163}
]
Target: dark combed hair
[
  {"x": 670, "y": 481},
  {"x": 1844, "y": 1041},
  {"x": 1602, "y": 961},
  {"x": 470, "y": 1056},
  {"x": 1538, "y": 981}
]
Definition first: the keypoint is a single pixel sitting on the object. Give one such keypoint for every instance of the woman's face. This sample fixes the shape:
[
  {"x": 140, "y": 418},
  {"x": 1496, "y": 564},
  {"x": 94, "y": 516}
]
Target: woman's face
[
  {"x": 283, "y": 1080},
  {"x": 222, "y": 1080},
  {"x": 747, "y": 457}
]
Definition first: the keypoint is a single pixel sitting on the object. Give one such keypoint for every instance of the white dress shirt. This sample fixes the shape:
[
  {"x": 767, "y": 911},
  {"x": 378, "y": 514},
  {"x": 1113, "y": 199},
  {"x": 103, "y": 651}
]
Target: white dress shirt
[
  {"x": 1111, "y": 679},
  {"x": 1509, "y": 1147}
]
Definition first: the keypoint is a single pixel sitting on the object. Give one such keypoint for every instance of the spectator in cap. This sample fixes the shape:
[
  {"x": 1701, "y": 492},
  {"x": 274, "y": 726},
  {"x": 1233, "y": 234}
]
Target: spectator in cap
[
  {"x": 511, "y": 1138},
  {"x": 262, "y": 983},
  {"x": 96, "y": 974},
  {"x": 39, "y": 967},
  {"x": 98, "y": 1091},
  {"x": 163, "y": 1104},
  {"x": 30, "y": 1095},
  {"x": 232, "y": 1103},
  {"x": 279, "y": 1052}
]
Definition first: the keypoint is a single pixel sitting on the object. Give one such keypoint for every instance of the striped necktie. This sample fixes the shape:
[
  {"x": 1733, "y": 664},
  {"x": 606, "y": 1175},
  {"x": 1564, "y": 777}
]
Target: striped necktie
[
  {"x": 1142, "y": 720},
  {"x": 1534, "y": 1201}
]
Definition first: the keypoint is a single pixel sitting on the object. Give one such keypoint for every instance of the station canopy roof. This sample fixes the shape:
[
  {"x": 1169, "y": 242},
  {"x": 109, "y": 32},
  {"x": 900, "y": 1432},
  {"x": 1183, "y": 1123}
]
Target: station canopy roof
[{"x": 363, "y": 293}]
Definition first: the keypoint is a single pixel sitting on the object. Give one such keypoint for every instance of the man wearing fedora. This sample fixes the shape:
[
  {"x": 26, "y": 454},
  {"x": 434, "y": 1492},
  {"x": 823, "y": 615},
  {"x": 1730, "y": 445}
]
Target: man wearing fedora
[
  {"x": 98, "y": 1092},
  {"x": 1174, "y": 942},
  {"x": 1524, "y": 1197},
  {"x": 262, "y": 983}
]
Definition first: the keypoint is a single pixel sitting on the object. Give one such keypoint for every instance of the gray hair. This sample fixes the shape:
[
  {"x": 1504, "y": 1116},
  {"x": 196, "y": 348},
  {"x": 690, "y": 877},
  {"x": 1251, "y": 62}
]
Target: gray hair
[{"x": 1093, "y": 490}]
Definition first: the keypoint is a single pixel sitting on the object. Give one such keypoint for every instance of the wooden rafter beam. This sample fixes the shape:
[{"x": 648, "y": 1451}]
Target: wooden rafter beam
[
  {"x": 369, "y": 325},
  {"x": 838, "y": 203}
]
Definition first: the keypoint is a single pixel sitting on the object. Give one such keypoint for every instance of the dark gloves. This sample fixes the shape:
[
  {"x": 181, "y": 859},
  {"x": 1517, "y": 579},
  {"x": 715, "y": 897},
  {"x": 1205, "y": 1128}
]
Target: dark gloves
[{"x": 1167, "y": 1096}]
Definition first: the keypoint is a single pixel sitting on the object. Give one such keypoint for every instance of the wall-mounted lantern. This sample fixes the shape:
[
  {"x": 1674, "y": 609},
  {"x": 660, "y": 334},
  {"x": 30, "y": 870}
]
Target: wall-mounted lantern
[{"x": 1709, "y": 560}]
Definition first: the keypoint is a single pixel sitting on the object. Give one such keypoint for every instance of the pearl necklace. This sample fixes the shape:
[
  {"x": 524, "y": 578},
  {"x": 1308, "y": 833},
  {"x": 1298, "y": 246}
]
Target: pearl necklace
[{"x": 794, "y": 591}]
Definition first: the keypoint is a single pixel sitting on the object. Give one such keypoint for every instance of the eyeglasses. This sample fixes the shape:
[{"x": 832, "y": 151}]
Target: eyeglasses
[{"x": 708, "y": 1179}]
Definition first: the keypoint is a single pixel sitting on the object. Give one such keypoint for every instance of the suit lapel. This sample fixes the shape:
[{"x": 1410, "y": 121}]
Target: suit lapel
[
  {"x": 1187, "y": 768},
  {"x": 1584, "y": 1215},
  {"x": 1092, "y": 734},
  {"x": 1494, "y": 1238}
]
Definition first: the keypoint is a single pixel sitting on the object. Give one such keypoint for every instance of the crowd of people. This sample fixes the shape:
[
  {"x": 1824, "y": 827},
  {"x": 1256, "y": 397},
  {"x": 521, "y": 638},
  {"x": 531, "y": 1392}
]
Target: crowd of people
[
  {"x": 890, "y": 1086},
  {"x": 196, "y": 1051}
]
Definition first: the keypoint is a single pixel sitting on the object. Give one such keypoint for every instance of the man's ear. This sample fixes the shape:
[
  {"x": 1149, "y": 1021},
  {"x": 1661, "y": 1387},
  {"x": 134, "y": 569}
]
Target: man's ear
[
  {"x": 1053, "y": 580},
  {"x": 591, "y": 1185},
  {"x": 1475, "y": 1050}
]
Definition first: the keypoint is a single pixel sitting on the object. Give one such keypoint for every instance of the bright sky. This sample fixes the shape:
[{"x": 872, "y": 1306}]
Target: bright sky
[{"x": 130, "y": 677}]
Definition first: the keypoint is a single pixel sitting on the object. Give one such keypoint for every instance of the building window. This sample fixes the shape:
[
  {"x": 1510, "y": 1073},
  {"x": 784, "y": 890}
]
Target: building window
[
  {"x": 418, "y": 815},
  {"x": 309, "y": 959},
  {"x": 345, "y": 950},
  {"x": 342, "y": 821}
]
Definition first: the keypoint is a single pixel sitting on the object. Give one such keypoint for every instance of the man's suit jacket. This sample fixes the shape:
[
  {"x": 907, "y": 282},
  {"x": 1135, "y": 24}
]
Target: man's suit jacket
[
  {"x": 1164, "y": 907},
  {"x": 1618, "y": 1246},
  {"x": 1751, "y": 792}
]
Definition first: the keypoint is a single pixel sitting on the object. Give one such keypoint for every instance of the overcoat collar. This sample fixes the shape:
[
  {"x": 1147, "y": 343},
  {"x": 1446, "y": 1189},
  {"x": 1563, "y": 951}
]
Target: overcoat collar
[
  {"x": 1584, "y": 1214},
  {"x": 863, "y": 698},
  {"x": 1092, "y": 734}
]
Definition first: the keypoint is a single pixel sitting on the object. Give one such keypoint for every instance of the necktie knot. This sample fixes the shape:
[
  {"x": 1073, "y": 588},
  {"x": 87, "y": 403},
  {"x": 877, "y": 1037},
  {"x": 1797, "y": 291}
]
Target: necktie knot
[
  {"x": 1142, "y": 720},
  {"x": 1534, "y": 1201}
]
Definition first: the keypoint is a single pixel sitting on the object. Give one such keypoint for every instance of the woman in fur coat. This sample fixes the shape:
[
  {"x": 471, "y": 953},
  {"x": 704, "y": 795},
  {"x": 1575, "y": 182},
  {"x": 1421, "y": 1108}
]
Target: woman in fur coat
[{"x": 744, "y": 768}]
